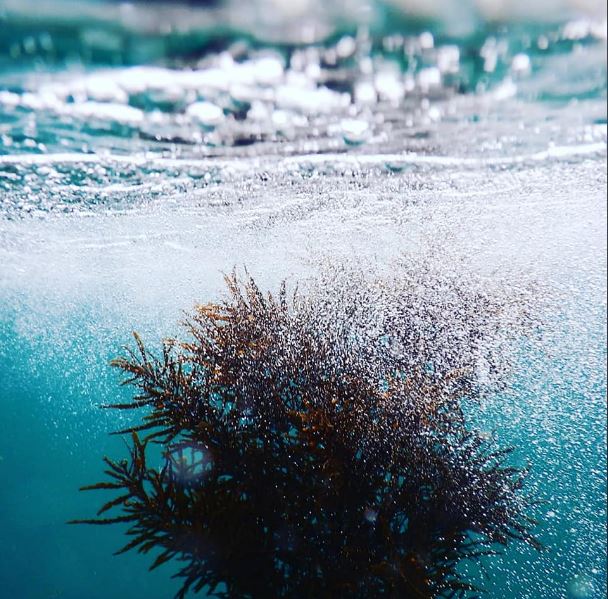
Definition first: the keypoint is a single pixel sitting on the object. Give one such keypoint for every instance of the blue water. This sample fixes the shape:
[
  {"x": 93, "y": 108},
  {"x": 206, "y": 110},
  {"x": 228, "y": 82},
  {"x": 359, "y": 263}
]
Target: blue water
[
  {"x": 52, "y": 435},
  {"x": 145, "y": 151},
  {"x": 49, "y": 449}
]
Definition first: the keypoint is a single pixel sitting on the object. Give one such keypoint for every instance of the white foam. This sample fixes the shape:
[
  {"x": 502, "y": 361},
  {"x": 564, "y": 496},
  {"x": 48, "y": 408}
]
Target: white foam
[
  {"x": 429, "y": 78},
  {"x": 311, "y": 101},
  {"x": 105, "y": 111},
  {"x": 355, "y": 131},
  {"x": 105, "y": 89},
  {"x": 389, "y": 86},
  {"x": 245, "y": 164},
  {"x": 521, "y": 63},
  {"x": 207, "y": 114}
]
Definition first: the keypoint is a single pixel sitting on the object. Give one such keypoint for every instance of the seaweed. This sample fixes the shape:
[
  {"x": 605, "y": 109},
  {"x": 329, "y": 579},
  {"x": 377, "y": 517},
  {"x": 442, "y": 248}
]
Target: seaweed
[{"x": 315, "y": 444}]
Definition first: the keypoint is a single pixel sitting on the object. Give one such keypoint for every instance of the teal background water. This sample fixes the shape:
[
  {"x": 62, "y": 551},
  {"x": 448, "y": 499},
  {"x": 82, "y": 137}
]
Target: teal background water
[
  {"x": 476, "y": 138},
  {"x": 50, "y": 446},
  {"x": 52, "y": 436}
]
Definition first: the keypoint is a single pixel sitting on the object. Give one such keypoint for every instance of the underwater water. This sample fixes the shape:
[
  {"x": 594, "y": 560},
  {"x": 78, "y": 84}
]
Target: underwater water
[{"x": 147, "y": 149}]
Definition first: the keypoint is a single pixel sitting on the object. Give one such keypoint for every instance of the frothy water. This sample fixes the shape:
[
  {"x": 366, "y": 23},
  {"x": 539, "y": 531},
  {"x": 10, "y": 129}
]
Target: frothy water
[{"x": 146, "y": 151}]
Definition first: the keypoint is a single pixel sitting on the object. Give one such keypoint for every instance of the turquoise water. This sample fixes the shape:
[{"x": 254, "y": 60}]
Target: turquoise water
[{"x": 145, "y": 151}]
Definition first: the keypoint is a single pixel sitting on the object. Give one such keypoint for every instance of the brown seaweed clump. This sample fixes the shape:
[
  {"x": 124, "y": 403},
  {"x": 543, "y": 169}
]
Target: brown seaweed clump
[{"x": 315, "y": 444}]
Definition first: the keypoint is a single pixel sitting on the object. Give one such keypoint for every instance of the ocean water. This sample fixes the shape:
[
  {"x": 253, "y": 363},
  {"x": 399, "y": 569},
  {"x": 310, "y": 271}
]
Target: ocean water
[{"x": 146, "y": 149}]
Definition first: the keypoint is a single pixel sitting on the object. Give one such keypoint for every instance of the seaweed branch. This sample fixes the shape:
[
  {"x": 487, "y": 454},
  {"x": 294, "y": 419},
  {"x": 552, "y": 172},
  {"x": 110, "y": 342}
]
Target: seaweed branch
[{"x": 316, "y": 445}]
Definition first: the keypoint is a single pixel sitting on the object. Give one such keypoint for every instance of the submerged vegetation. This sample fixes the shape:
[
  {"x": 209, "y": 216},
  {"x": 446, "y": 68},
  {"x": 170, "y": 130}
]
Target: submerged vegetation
[{"x": 315, "y": 444}]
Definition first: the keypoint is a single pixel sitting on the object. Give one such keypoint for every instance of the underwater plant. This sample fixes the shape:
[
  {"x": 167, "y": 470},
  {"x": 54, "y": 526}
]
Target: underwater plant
[{"x": 315, "y": 444}]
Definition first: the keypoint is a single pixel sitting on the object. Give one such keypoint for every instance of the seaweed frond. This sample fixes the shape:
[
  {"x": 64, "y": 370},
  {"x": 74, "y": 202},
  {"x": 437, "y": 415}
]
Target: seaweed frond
[{"x": 316, "y": 445}]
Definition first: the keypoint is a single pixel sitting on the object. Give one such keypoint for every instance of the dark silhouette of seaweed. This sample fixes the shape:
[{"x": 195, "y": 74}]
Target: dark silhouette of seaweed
[{"x": 307, "y": 453}]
